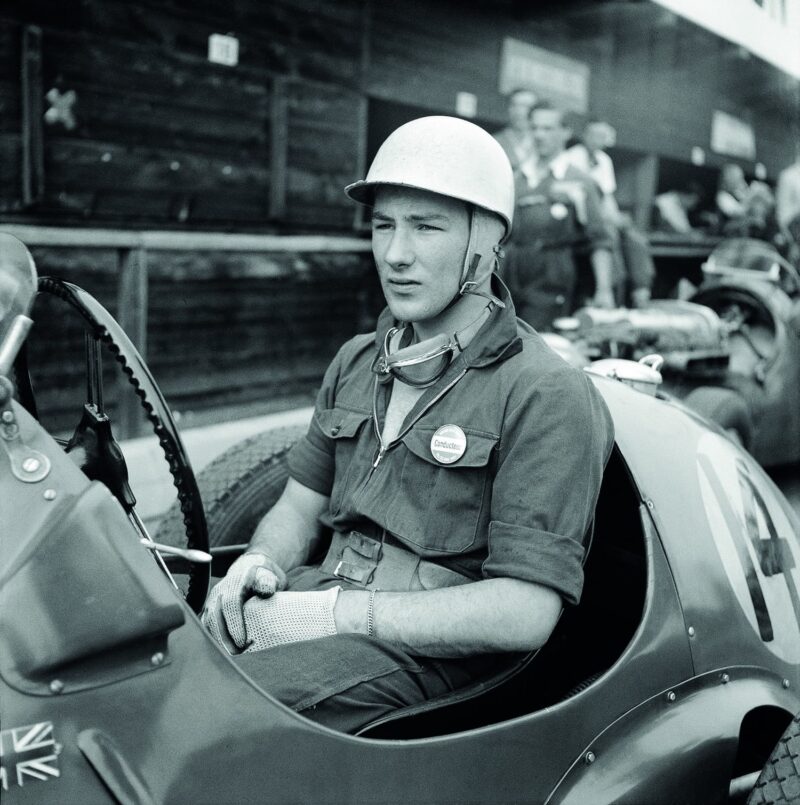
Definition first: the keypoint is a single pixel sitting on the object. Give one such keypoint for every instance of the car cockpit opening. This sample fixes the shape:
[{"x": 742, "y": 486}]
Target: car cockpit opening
[{"x": 588, "y": 640}]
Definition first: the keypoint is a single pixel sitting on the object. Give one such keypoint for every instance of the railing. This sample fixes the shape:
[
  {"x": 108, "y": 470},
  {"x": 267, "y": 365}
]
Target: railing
[
  {"x": 133, "y": 246},
  {"x": 132, "y": 275}
]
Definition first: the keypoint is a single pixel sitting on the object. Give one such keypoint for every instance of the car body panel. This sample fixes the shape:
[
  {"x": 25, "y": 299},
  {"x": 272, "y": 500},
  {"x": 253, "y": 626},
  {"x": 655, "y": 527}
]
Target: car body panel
[
  {"x": 702, "y": 517},
  {"x": 186, "y": 725},
  {"x": 673, "y": 745},
  {"x": 182, "y": 728}
]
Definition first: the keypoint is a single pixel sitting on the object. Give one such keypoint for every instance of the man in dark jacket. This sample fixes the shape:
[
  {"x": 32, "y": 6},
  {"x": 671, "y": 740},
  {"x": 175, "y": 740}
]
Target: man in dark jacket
[
  {"x": 558, "y": 215},
  {"x": 433, "y": 523}
]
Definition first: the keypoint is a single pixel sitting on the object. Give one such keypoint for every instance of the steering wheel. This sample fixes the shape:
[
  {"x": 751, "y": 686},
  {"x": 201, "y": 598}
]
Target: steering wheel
[{"x": 105, "y": 462}]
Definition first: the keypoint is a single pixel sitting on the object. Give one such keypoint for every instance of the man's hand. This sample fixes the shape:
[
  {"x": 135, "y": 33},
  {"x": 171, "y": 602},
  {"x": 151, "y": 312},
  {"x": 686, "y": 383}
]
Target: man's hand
[
  {"x": 290, "y": 617},
  {"x": 223, "y": 615}
]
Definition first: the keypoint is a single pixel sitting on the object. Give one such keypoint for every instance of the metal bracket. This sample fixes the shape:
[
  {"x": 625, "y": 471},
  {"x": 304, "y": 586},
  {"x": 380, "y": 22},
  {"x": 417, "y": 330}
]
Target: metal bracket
[{"x": 28, "y": 465}]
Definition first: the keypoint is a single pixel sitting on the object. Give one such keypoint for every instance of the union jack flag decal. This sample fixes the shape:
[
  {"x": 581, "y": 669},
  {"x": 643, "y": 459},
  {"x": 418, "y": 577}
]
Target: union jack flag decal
[{"x": 28, "y": 753}]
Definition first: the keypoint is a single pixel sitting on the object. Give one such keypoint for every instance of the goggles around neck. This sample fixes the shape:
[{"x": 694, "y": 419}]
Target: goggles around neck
[{"x": 420, "y": 365}]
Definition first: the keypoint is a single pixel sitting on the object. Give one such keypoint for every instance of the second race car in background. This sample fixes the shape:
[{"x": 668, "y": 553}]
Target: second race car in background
[{"x": 731, "y": 352}]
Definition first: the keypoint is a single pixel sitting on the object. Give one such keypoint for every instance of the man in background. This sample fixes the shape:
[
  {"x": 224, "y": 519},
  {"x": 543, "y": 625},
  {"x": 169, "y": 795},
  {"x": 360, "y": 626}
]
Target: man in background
[
  {"x": 558, "y": 214},
  {"x": 787, "y": 198},
  {"x": 517, "y": 138},
  {"x": 634, "y": 267}
]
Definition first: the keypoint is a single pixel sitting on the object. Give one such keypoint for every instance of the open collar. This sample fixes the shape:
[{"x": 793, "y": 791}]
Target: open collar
[{"x": 495, "y": 341}]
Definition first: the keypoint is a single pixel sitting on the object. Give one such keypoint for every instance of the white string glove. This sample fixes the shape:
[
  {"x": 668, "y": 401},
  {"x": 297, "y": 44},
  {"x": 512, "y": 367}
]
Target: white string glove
[
  {"x": 289, "y": 618},
  {"x": 223, "y": 614}
]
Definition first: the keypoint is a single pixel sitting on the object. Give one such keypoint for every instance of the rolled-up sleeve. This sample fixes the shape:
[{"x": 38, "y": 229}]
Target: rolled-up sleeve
[{"x": 552, "y": 453}]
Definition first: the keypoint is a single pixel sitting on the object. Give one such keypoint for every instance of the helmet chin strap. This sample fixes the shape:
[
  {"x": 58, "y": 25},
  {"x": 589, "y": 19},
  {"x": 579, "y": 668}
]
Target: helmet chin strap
[
  {"x": 469, "y": 284},
  {"x": 403, "y": 362}
]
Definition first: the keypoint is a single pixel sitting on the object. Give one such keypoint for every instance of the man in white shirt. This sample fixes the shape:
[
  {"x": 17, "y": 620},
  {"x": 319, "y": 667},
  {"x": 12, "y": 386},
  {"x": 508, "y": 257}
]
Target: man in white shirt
[{"x": 634, "y": 266}]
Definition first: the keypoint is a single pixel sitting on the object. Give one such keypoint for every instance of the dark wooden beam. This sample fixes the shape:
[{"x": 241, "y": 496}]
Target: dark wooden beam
[
  {"x": 132, "y": 293},
  {"x": 32, "y": 116},
  {"x": 279, "y": 149}
]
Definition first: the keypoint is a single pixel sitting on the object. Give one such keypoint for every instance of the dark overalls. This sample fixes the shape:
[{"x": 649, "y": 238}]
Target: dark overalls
[
  {"x": 516, "y": 504},
  {"x": 553, "y": 222}
]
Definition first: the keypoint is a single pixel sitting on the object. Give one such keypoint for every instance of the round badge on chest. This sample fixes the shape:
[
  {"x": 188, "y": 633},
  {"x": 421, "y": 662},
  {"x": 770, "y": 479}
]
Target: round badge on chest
[{"x": 448, "y": 444}]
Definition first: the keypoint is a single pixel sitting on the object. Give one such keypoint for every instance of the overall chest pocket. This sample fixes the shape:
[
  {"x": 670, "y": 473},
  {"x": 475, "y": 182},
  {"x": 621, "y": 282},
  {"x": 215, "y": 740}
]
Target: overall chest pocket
[
  {"x": 441, "y": 507},
  {"x": 345, "y": 427}
]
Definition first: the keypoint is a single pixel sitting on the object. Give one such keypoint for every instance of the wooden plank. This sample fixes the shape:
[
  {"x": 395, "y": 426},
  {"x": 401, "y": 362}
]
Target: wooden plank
[
  {"x": 182, "y": 241},
  {"x": 110, "y": 166},
  {"x": 132, "y": 316},
  {"x": 10, "y": 100},
  {"x": 105, "y": 114},
  {"x": 271, "y": 38},
  {"x": 10, "y": 171},
  {"x": 32, "y": 135},
  {"x": 279, "y": 124}
]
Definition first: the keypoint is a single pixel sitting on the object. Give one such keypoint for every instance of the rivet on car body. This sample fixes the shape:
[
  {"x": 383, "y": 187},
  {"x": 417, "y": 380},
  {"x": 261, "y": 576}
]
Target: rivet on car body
[
  {"x": 650, "y": 504},
  {"x": 725, "y": 678},
  {"x": 56, "y": 686},
  {"x": 690, "y": 631},
  {"x": 589, "y": 758},
  {"x": 786, "y": 683},
  {"x": 671, "y": 696},
  {"x": 50, "y": 494},
  {"x": 157, "y": 658},
  {"x": 8, "y": 416},
  {"x": 10, "y": 430},
  {"x": 31, "y": 464}
]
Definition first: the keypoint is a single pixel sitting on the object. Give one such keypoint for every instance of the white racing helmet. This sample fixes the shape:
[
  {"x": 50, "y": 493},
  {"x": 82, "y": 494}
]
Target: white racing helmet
[
  {"x": 454, "y": 158},
  {"x": 444, "y": 155}
]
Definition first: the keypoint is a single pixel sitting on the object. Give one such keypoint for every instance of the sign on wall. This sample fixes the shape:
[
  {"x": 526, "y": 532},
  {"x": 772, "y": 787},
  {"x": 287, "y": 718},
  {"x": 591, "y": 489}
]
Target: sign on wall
[
  {"x": 732, "y": 136},
  {"x": 557, "y": 78},
  {"x": 223, "y": 49}
]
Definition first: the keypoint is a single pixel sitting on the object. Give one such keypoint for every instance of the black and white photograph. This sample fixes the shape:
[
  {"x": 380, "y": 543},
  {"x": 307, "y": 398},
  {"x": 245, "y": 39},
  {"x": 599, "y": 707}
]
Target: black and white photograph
[{"x": 400, "y": 402}]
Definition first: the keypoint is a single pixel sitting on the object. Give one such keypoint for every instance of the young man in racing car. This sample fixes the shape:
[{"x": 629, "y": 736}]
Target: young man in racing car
[{"x": 434, "y": 518}]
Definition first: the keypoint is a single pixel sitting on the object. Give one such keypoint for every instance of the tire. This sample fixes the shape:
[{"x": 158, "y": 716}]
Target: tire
[
  {"x": 238, "y": 488},
  {"x": 779, "y": 781},
  {"x": 726, "y": 408}
]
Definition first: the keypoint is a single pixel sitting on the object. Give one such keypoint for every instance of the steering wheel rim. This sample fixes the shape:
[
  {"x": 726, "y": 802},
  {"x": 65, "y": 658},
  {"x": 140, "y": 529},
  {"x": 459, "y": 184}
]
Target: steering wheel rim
[{"x": 107, "y": 330}]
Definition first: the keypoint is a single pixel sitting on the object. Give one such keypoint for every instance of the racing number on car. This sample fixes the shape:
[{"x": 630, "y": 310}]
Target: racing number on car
[{"x": 756, "y": 543}]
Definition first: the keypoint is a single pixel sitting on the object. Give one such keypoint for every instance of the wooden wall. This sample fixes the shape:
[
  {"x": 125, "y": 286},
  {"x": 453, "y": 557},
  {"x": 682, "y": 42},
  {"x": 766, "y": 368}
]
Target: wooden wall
[
  {"x": 245, "y": 331},
  {"x": 165, "y": 139},
  {"x": 163, "y": 136}
]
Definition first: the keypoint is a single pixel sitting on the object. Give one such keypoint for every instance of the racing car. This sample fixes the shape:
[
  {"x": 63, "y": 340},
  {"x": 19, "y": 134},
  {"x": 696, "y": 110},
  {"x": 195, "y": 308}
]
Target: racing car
[
  {"x": 730, "y": 352},
  {"x": 671, "y": 681}
]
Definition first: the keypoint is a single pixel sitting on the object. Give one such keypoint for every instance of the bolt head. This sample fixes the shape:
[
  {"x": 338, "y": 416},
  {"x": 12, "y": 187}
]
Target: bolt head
[
  {"x": 8, "y": 416},
  {"x": 725, "y": 678},
  {"x": 671, "y": 696},
  {"x": 31, "y": 464},
  {"x": 50, "y": 494},
  {"x": 10, "y": 430},
  {"x": 589, "y": 758},
  {"x": 786, "y": 683},
  {"x": 56, "y": 686},
  {"x": 157, "y": 658},
  {"x": 691, "y": 631}
]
